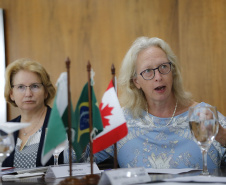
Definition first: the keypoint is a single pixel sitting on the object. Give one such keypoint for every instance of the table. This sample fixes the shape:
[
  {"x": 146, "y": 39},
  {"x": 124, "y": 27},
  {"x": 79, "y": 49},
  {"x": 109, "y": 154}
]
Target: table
[{"x": 221, "y": 172}]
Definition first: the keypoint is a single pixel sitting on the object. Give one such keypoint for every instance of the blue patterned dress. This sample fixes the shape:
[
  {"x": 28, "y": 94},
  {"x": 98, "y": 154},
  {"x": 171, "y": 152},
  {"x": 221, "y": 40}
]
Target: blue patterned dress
[{"x": 162, "y": 146}]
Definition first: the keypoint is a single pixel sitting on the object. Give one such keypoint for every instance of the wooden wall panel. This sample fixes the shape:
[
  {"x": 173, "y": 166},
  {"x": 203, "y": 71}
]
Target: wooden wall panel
[
  {"x": 97, "y": 30},
  {"x": 202, "y": 30}
]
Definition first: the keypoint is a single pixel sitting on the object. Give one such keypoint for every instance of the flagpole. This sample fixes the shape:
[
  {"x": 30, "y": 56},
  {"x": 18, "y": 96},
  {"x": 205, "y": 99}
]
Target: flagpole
[
  {"x": 115, "y": 144},
  {"x": 90, "y": 116},
  {"x": 69, "y": 114},
  {"x": 92, "y": 178},
  {"x": 70, "y": 179}
]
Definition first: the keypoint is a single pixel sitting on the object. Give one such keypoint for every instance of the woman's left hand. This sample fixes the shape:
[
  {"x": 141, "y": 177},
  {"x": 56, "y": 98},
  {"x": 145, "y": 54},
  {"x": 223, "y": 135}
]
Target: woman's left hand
[{"x": 221, "y": 136}]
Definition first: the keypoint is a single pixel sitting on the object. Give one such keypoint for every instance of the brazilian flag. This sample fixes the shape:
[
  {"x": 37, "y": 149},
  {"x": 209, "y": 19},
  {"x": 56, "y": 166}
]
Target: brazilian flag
[{"x": 82, "y": 136}]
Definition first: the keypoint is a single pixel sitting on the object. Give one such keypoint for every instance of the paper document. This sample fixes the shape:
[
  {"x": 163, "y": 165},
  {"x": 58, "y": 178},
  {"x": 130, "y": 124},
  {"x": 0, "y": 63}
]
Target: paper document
[
  {"x": 170, "y": 171},
  {"x": 13, "y": 177},
  {"x": 198, "y": 178},
  {"x": 12, "y": 170},
  {"x": 31, "y": 170},
  {"x": 124, "y": 176}
]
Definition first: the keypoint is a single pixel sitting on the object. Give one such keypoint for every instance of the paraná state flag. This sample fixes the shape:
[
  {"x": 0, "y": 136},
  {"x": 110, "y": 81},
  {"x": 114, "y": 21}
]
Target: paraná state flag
[
  {"x": 56, "y": 133},
  {"x": 115, "y": 127},
  {"x": 82, "y": 135}
]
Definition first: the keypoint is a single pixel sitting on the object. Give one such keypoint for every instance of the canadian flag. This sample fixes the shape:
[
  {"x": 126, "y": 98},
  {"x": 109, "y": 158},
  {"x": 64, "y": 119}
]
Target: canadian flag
[{"x": 114, "y": 123}]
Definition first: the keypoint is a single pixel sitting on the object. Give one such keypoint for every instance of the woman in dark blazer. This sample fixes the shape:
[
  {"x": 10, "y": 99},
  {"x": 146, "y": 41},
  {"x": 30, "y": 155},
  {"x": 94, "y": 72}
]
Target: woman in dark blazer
[{"x": 28, "y": 87}]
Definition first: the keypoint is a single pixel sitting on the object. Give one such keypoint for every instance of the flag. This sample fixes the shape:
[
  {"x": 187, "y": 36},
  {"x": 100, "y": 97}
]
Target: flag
[
  {"x": 57, "y": 125},
  {"x": 82, "y": 137},
  {"x": 115, "y": 127}
]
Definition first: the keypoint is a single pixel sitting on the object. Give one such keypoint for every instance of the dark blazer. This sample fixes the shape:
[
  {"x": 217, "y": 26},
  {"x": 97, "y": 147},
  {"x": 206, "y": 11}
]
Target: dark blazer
[{"x": 8, "y": 162}]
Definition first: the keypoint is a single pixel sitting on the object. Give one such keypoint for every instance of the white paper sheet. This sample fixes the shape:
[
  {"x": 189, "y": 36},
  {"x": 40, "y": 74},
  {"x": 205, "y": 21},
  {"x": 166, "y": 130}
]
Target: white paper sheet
[
  {"x": 124, "y": 176},
  {"x": 180, "y": 183},
  {"x": 199, "y": 178},
  {"x": 13, "y": 177},
  {"x": 31, "y": 170},
  {"x": 170, "y": 171}
]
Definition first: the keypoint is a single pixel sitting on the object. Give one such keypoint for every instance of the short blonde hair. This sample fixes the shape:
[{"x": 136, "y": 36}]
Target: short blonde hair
[
  {"x": 32, "y": 66},
  {"x": 133, "y": 98}
]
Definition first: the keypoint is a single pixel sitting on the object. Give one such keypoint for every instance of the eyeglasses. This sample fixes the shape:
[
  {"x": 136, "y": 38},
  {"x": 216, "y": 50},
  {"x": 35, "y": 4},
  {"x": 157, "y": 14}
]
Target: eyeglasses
[
  {"x": 33, "y": 87},
  {"x": 149, "y": 74}
]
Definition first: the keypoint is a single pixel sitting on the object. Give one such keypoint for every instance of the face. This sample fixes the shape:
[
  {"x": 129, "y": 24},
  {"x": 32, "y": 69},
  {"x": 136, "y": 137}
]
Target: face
[
  {"x": 160, "y": 87},
  {"x": 31, "y": 98}
]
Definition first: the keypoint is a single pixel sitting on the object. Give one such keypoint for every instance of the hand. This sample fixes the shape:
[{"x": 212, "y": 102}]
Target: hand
[{"x": 221, "y": 136}]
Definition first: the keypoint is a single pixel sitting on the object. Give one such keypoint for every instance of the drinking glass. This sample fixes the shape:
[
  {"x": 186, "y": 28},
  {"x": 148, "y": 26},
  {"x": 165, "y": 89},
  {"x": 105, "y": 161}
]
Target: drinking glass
[
  {"x": 203, "y": 123},
  {"x": 58, "y": 150},
  {"x": 6, "y": 146}
]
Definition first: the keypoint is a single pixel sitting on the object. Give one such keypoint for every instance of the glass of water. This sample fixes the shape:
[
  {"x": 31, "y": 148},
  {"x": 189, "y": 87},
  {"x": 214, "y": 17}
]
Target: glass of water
[
  {"x": 58, "y": 150},
  {"x": 203, "y": 123},
  {"x": 6, "y": 145}
]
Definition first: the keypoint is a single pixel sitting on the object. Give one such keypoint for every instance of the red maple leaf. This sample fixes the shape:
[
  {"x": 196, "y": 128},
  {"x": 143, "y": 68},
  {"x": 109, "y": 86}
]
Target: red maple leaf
[{"x": 106, "y": 111}]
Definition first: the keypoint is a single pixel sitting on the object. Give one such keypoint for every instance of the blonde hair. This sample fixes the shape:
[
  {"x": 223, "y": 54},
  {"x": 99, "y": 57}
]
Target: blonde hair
[
  {"x": 32, "y": 66},
  {"x": 131, "y": 97}
]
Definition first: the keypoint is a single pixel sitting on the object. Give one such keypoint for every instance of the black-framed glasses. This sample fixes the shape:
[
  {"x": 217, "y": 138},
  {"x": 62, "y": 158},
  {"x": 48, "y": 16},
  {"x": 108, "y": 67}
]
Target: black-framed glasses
[
  {"x": 35, "y": 87},
  {"x": 149, "y": 74}
]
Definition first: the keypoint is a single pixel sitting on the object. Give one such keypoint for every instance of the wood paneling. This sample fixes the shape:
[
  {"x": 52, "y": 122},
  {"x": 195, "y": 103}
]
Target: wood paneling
[
  {"x": 202, "y": 29},
  {"x": 102, "y": 31},
  {"x": 96, "y": 30}
]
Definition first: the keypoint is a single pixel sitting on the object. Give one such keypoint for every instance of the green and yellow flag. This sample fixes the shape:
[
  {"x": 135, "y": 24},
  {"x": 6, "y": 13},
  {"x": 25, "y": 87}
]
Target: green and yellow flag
[{"x": 82, "y": 136}]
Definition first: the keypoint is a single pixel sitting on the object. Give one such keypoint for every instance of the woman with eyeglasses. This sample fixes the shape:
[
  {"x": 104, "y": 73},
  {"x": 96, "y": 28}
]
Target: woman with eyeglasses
[
  {"x": 28, "y": 87},
  {"x": 155, "y": 106}
]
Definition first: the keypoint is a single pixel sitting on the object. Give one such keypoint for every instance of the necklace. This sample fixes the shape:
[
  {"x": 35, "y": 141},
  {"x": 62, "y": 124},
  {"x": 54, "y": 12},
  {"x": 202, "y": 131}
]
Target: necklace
[
  {"x": 25, "y": 133},
  {"x": 151, "y": 119}
]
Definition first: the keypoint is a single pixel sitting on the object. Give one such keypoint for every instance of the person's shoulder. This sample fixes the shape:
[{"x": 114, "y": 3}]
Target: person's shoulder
[
  {"x": 17, "y": 119},
  {"x": 128, "y": 114},
  {"x": 194, "y": 103},
  {"x": 126, "y": 111},
  {"x": 184, "y": 108},
  {"x": 48, "y": 107},
  {"x": 203, "y": 104}
]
